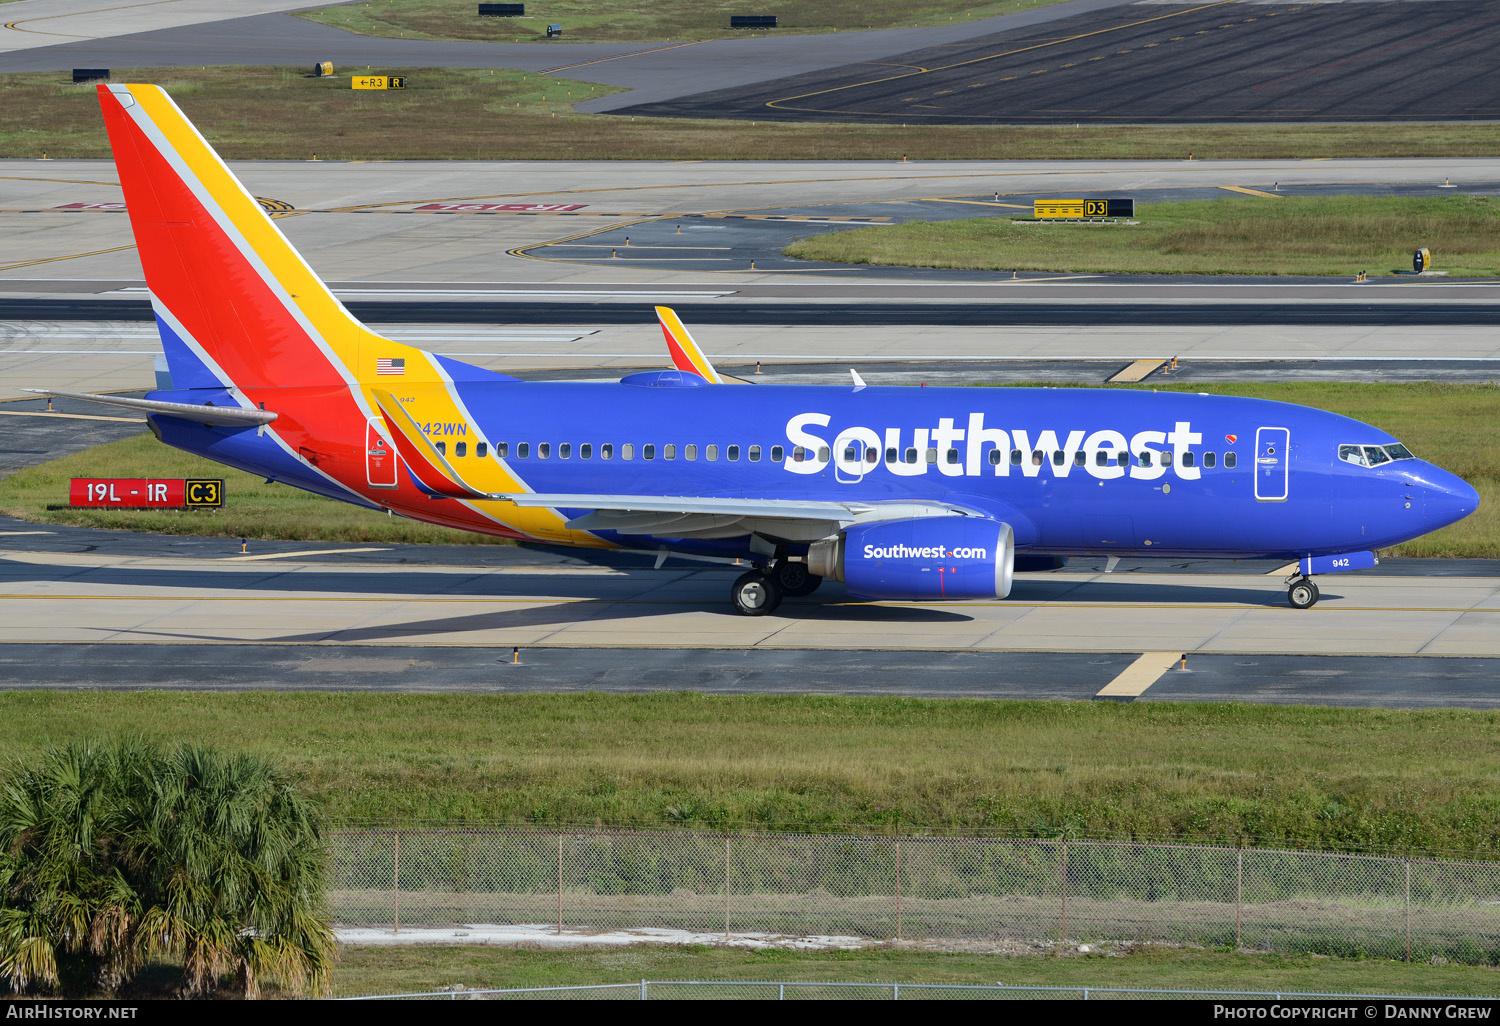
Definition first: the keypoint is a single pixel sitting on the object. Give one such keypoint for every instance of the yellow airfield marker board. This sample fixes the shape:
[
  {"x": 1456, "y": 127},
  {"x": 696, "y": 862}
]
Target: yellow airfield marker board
[
  {"x": 379, "y": 82},
  {"x": 1079, "y": 208}
]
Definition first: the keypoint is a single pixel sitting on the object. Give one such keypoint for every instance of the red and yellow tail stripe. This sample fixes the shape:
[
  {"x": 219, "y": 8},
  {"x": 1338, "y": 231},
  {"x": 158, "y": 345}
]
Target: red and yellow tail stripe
[{"x": 243, "y": 300}]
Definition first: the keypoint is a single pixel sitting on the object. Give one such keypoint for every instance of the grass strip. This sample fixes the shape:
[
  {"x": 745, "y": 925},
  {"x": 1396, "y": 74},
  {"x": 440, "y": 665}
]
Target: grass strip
[
  {"x": 1331, "y": 777},
  {"x": 1449, "y": 424},
  {"x": 1300, "y": 235},
  {"x": 620, "y": 20},
  {"x": 278, "y": 113},
  {"x": 253, "y": 508},
  {"x": 362, "y": 971}
]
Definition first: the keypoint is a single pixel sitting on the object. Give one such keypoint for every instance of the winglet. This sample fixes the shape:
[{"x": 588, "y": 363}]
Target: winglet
[
  {"x": 429, "y": 468},
  {"x": 686, "y": 356}
]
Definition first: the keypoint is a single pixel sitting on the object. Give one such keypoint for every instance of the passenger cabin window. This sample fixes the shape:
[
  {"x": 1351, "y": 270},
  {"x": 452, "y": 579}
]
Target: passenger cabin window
[
  {"x": 1122, "y": 458},
  {"x": 441, "y": 447},
  {"x": 1189, "y": 459},
  {"x": 995, "y": 457},
  {"x": 543, "y": 450},
  {"x": 502, "y": 449},
  {"x": 911, "y": 455},
  {"x": 1145, "y": 457},
  {"x": 1058, "y": 457},
  {"x": 460, "y": 448},
  {"x": 585, "y": 451},
  {"x": 1166, "y": 459},
  {"x": 606, "y": 451},
  {"x": 648, "y": 452},
  {"x": 1079, "y": 458},
  {"x": 1209, "y": 459},
  {"x": 952, "y": 455},
  {"x": 778, "y": 454},
  {"x": 1101, "y": 458},
  {"x": 798, "y": 454},
  {"x": 627, "y": 451},
  {"x": 890, "y": 455},
  {"x": 823, "y": 453},
  {"x": 564, "y": 450},
  {"x": 755, "y": 454},
  {"x": 732, "y": 453},
  {"x": 1230, "y": 460},
  {"x": 1036, "y": 457},
  {"x": 523, "y": 450},
  {"x": 849, "y": 454},
  {"x": 668, "y": 451},
  {"x": 872, "y": 455},
  {"x": 480, "y": 449},
  {"x": 931, "y": 456},
  {"x": 1015, "y": 457}
]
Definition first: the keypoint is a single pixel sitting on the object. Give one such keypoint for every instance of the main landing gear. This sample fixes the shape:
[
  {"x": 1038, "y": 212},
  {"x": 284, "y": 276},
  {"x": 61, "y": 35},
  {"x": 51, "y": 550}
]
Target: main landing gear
[
  {"x": 760, "y": 591},
  {"x": 1302, "y": 593}
]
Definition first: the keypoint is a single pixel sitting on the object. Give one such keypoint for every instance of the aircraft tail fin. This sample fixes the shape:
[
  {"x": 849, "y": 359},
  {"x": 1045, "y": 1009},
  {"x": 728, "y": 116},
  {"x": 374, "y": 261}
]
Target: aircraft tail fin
[
  {"x": 686, "y": 355},
  {"x": 236, "y": 304}
]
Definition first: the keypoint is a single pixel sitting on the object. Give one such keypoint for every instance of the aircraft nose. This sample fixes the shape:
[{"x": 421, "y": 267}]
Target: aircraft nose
[{"x": 1447, "y": 499}]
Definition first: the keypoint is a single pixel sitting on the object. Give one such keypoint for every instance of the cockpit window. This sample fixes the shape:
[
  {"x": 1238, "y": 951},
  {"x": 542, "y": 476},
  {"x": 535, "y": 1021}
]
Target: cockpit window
[{"x": 1374, "y": 455}]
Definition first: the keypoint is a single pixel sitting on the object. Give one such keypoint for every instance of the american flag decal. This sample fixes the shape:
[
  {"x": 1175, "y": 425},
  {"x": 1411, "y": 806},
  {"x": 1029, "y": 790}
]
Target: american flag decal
[{"x": 386, "y": 365}]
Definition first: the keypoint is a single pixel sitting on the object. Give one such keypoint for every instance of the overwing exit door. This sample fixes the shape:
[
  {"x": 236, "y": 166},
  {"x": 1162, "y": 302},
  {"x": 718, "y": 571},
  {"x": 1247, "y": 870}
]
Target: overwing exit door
[
  {"x": 849, "y": 465},
  {"x": 1272, "y": 463}
]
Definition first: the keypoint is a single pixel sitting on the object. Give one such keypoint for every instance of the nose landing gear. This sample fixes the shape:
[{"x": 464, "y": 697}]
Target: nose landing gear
[{"x": 1302, "y": 593}]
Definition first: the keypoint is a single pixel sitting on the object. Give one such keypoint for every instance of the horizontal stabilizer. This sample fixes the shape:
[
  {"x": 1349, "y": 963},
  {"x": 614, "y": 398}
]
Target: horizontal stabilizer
[{"x": 222, "y": 416}]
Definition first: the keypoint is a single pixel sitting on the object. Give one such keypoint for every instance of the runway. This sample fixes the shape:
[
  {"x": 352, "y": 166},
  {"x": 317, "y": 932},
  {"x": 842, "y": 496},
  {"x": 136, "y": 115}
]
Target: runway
[{"x": 1154, "y": 62}]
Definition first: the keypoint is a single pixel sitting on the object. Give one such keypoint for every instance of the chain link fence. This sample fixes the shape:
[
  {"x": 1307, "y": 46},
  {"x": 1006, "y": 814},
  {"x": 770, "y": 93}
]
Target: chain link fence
[
  {"x": 945, "y": 889},
  {"x": 755, "y": 990}
]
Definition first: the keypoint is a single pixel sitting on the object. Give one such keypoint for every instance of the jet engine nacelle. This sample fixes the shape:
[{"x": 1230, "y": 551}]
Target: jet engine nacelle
[{"x": 952, "y": 557}]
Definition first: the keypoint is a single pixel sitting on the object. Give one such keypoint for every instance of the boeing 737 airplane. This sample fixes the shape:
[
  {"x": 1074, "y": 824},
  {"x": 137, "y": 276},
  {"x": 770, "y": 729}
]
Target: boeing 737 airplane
[{"x": 901, "y": 493}]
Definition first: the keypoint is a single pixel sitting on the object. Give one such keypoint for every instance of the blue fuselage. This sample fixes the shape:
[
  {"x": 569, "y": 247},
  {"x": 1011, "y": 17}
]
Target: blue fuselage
[{"x": 1072, "y": 470}]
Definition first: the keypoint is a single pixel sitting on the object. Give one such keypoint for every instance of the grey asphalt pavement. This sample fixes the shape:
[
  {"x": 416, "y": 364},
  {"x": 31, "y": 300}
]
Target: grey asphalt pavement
[
  {"x": 1398, "y": 683},
  {"x": 1402, "y": 60}
]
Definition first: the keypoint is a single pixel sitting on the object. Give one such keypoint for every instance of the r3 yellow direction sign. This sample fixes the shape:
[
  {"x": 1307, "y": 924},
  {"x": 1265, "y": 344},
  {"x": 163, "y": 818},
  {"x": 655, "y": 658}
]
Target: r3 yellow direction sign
[
  {"x": 379, "y": 82},
  {"x": 204, "y": 492},
  {"x": 1082, "y": 208}
]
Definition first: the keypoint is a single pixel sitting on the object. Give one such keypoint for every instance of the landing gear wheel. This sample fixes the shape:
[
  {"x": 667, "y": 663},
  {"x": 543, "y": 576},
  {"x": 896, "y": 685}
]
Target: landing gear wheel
[
  {"x": 1302, "y": 594},
  {"x": 755, "y": 594},
  {"x": 795, "y": 579}
]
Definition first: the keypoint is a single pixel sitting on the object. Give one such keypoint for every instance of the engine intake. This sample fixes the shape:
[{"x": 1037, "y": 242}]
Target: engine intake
[{"x": 953, "y": 557}]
